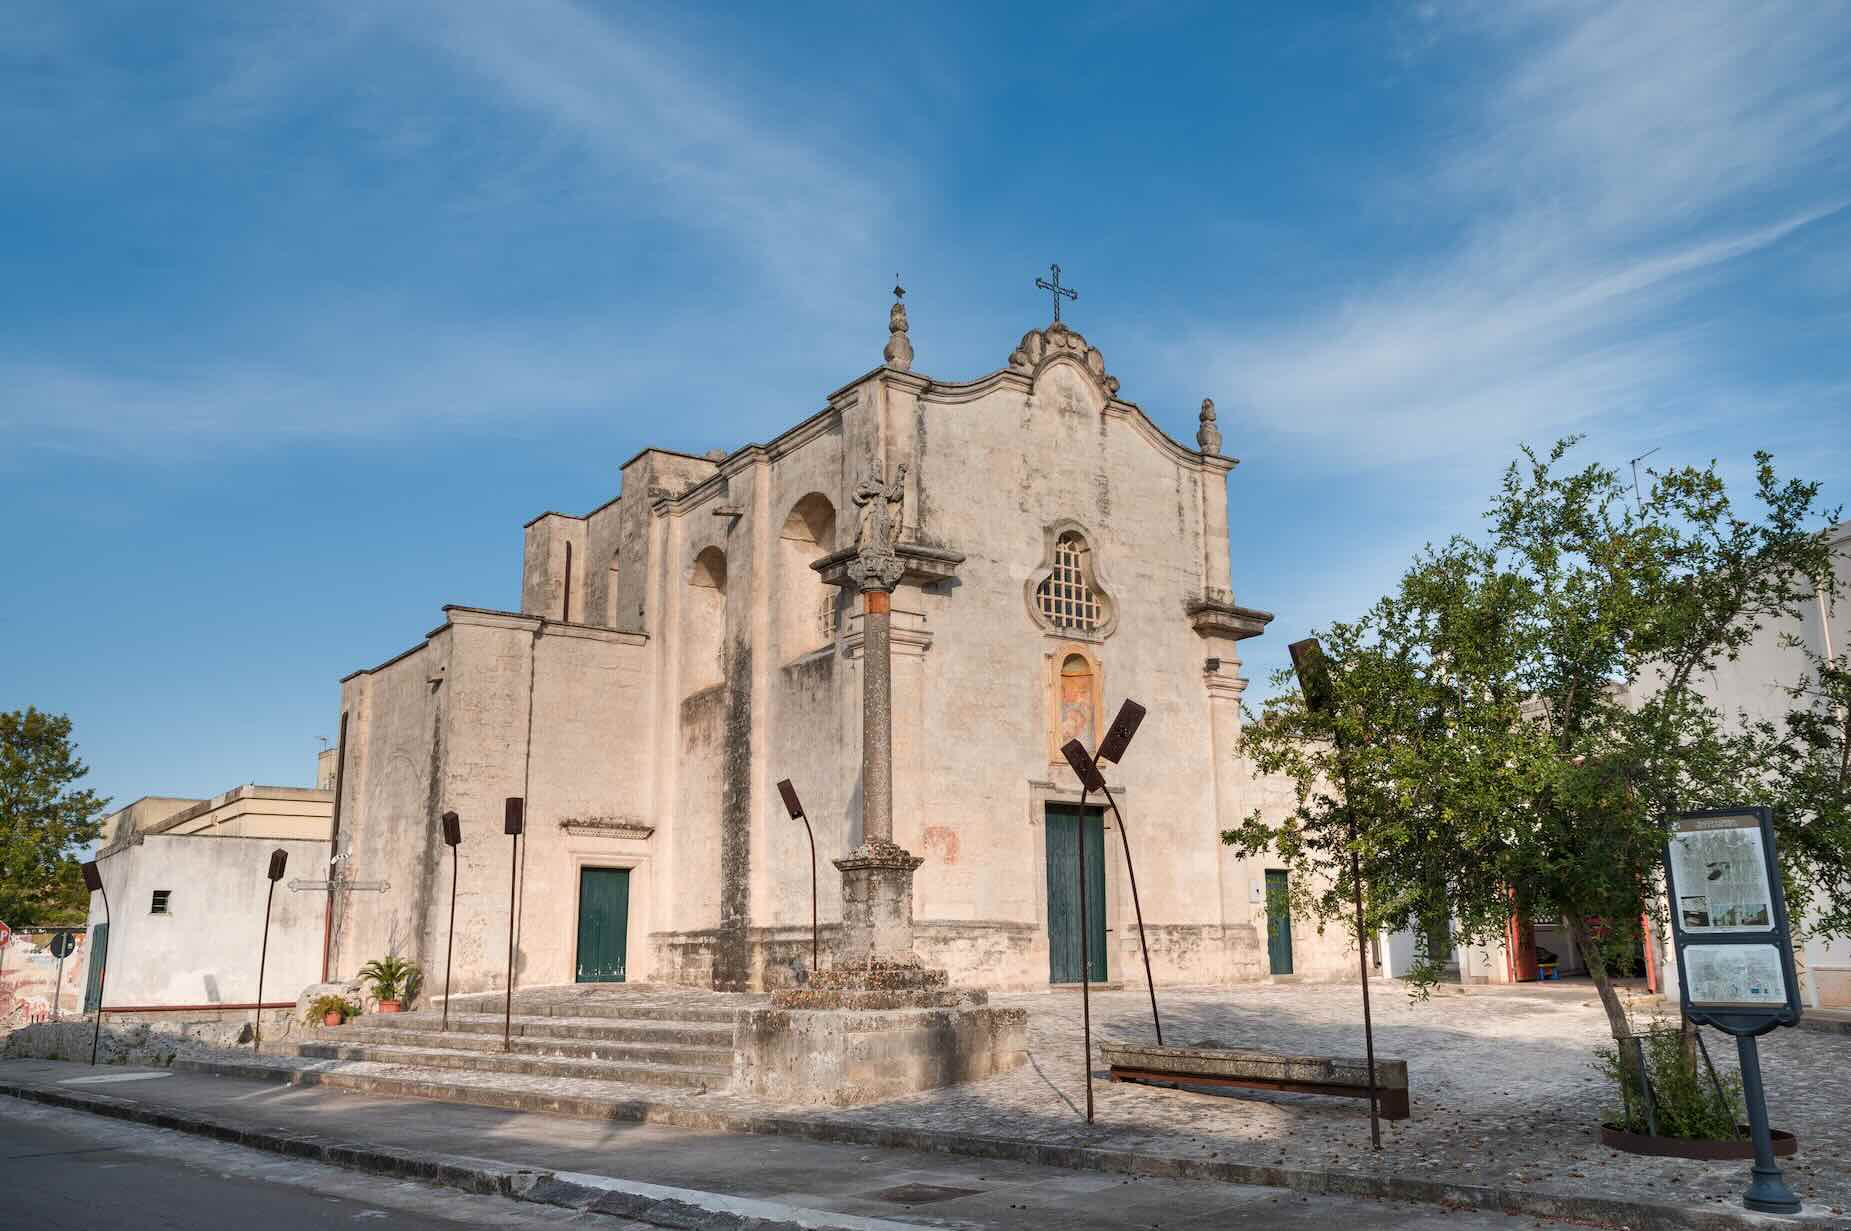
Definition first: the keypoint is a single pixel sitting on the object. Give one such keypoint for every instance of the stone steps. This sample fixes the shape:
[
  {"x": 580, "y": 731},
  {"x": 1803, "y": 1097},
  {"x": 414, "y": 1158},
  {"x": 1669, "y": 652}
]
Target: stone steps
[
  {"x": 696, "y": 1048},
  {"x": 598, "y": 1100},
  {"x": 666, "y": 1072},
  {"x": 696, "y": 1007},
  {"x": 621, "y": 1029}
]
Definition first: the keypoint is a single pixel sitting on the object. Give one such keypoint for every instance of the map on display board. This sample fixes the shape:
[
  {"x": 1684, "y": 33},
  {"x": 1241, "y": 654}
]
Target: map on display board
[
  {"x": 1745, "y": 976},
  {"x": 1719, "y": 876}
]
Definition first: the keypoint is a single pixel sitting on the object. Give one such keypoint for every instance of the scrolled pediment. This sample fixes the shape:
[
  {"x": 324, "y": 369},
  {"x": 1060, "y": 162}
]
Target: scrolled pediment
[{"x": 1040, "y": 347}]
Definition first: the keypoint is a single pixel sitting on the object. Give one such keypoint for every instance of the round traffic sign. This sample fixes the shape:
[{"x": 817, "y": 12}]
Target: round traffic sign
[{"x": 63, "y": 944}]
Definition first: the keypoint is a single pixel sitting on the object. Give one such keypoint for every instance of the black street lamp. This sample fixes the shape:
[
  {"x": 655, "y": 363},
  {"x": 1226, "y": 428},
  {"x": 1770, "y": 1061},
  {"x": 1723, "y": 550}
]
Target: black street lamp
[
  {"x": 794, "y": 806},
  {"x": 93, "y": 881},
  {"x": 513, "y": 815},
  {"x": 453, "y": 837},
  {"x": 279, "y": 859}
]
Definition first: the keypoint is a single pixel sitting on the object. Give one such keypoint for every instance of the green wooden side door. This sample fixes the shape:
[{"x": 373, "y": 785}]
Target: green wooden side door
[
  {"x": 1065, "y": 826},
  {"x": 603, "y": 924},
  {"x": 99, "y": 953},
  {"x": 1278, "y": 922}
]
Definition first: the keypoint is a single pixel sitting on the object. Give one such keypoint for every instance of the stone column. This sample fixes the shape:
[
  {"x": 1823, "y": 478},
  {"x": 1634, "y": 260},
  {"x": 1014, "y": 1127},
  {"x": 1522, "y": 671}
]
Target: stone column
[{"x": 877, "y": 876}]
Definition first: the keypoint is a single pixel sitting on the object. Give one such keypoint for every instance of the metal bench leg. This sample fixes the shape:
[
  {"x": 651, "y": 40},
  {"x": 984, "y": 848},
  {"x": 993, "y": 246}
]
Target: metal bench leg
[{"x": 1393, "y": 1104}]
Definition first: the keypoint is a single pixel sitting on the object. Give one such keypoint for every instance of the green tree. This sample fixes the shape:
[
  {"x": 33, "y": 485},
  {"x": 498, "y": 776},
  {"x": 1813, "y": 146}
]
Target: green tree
[
  {"x": 1517, "y": 722},
  {"x": 43, "y": 822}
]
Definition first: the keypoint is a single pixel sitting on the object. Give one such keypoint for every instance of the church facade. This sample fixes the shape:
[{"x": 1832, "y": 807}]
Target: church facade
[{"x": 687, "y": 645}]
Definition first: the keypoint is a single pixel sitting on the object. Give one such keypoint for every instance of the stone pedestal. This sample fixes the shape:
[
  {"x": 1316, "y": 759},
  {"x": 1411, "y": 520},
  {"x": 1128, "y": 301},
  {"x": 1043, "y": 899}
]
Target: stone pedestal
[{"x": 877, "y": 903}]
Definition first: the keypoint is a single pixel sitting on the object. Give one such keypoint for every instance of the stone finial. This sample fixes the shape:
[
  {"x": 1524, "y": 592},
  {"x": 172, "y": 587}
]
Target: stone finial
[
  {"x": 1208, "y": 436},
  {"x": 899, "y": 352}
]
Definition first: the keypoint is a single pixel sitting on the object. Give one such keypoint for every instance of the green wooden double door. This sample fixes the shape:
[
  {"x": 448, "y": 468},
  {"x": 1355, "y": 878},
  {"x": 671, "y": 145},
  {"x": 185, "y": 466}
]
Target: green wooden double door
[
  {"x": 603, "y": 924},
  {"x": 1066, "y": 829}
]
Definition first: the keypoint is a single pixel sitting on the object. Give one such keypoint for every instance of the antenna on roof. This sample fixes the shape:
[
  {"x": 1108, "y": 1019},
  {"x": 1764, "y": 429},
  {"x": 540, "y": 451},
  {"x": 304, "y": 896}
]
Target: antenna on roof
[{"x": 1639, "y": 503}]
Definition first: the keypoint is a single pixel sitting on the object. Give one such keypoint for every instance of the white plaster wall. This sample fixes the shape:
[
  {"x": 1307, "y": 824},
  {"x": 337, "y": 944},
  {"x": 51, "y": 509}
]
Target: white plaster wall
[{"x": 205, "y": 949}]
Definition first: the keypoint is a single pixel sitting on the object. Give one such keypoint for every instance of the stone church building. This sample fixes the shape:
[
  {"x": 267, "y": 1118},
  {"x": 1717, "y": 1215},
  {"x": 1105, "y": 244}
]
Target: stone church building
[{"x": 688, "y": 644}]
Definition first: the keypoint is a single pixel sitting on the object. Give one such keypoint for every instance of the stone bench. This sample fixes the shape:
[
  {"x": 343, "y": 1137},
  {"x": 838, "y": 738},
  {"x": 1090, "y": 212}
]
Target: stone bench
[{"x": 1258, "y": 1070}]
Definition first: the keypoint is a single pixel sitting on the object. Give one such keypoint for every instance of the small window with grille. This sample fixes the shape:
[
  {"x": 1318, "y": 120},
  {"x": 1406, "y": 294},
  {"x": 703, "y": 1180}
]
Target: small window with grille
[
  {"x": 159, "y": 905},
  {"x": 1066, "y": 598}
]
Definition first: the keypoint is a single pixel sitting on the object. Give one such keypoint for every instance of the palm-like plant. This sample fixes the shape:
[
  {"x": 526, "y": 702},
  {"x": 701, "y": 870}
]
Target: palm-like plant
[{"x": 392, "y": 977}]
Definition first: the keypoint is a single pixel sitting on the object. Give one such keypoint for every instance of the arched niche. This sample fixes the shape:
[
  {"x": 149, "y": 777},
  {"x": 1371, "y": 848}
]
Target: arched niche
[
  {"x": 703, "y": 623},
  {"x": 808, "y": 611}
]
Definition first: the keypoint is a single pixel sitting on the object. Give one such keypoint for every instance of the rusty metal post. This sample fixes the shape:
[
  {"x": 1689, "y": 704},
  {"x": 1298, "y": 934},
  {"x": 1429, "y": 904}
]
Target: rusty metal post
[
  {"x": 452, "y": 837},
  {"x": 511, "y": 825},
  {"x": 279, "y": 858},
  {"x": 1143, "y": 945},
  {"x": 794, "y": 806},
  {"x": 1086, "y": 965}
]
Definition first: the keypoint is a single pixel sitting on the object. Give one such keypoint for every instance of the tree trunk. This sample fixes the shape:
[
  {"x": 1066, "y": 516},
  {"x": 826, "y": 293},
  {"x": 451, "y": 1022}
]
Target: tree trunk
[{"x": 1589, "y": 949}]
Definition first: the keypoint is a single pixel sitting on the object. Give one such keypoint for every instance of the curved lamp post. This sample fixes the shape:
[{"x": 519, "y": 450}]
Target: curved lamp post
[
  {"x": 513, "y": 819},
  {"x": 279, "y": 859},
  {"x": 794, "y": 806},
  {"x": 452, "y": 837}
]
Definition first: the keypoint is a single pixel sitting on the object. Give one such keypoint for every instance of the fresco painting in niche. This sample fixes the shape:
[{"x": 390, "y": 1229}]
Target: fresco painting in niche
[{"x": 1076, "y": 700}]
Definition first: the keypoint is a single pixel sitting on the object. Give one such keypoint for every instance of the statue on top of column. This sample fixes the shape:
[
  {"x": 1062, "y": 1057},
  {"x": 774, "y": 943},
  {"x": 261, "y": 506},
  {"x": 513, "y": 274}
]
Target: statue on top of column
[{"x": 882, "y": 504}]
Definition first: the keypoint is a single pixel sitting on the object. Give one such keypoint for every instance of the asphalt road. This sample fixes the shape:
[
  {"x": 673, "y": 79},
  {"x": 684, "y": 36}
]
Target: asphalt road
[{"x": 68, "y": 1171}]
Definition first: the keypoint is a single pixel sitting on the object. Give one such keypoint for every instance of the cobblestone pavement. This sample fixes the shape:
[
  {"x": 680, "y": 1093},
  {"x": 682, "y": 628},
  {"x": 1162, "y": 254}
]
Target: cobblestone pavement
[
  {"x": 1502, "y": 1087},
  {"x": 1502, "y": 1083}
]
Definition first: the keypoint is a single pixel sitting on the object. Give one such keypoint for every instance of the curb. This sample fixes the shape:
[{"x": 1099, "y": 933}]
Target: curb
[{"x": 476, "y": 1175}]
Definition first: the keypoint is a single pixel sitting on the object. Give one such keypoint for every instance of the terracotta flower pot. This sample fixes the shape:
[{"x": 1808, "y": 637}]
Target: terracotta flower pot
[
  {"x": 388, "y": 1006},
  {"x": 332, "y": 1018}
]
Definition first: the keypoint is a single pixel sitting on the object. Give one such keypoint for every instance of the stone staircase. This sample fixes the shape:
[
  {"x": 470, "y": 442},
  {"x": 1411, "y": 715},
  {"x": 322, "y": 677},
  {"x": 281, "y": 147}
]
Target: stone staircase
[{"x": 574, "y": 1049}]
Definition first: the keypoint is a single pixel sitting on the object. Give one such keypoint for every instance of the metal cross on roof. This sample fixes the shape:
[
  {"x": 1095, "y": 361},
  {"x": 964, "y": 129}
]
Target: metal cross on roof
[{"x": 1057, "y": 289}]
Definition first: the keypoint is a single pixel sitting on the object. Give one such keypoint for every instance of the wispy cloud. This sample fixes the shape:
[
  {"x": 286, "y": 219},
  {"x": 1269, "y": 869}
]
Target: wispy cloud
[{"x": 1618, "y": 162}]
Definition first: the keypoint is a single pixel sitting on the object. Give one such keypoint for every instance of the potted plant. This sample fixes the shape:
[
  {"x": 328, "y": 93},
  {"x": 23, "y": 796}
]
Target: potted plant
[
  {"x": 394, "y": 981},
  {"x": 1674, "y": 1105},
  {"x": 332, "y": 1009}
]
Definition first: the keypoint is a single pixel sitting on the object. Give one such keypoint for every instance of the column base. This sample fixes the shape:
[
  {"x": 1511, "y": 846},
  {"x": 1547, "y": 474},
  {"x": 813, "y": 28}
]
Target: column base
[{"x": 877, "y": 906}]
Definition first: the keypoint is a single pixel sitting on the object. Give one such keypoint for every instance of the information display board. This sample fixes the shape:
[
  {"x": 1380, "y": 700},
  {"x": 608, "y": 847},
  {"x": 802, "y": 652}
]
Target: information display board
[{"x": 1729, "y": 921}]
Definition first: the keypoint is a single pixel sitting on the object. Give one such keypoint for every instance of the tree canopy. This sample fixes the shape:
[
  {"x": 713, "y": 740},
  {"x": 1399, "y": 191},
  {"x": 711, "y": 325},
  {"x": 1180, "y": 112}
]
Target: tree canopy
[
  {"x": 43, "y": 821},
  {"x": 1516, "y": 724}
]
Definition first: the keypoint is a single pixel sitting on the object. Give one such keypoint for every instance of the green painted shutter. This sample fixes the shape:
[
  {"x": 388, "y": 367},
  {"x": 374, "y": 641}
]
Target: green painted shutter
[
  {"x": 1064, "y": 827},
  {"x": 1278, "y": 922},
  {"x": 603, "y": 924},
  {"x": 99, "y": 953}
]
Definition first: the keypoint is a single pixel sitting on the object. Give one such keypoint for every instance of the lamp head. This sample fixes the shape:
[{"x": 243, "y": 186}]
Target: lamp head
[
  {"x": 1083, "y": 765},
  {"x": 792, "y": 804},
  {"x": 279, "y": 859},
  {"x": 1112, "y": 747},
  {"x": 452, "y": 829},
  {"x": 93, "y": 879},
  {"x": 1313, "y": 671},
  {"x": 513, "y": 815}
]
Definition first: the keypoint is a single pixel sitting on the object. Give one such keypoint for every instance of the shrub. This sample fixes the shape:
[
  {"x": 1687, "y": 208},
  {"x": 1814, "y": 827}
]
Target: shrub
[
  {"x": 1685, "y": 1101},
  {"x": 321, "y": 1006},
  {"x": 393, "y": 978}
]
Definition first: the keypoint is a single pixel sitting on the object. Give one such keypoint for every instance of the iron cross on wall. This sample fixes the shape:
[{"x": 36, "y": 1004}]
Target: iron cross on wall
[{"x": 1057, "y": 289}]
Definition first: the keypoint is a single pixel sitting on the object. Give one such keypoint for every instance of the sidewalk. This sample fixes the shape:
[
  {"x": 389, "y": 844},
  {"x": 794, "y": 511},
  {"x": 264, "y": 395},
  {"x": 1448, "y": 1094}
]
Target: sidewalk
[{"x": 681, "y": 1178}]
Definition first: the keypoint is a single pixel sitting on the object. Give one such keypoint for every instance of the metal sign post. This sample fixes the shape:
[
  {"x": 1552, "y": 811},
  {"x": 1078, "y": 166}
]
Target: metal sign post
[
  {"x": 93, "y": 881},
  {"x": 63, "y": 944},
  {"x": 1735, "y": 956},
  {"x": 452, "y": 837},
  {"x": 1313, "y": 672},
  {"x": 279, "y": 859},
  {"x": 794, "y": 806}
]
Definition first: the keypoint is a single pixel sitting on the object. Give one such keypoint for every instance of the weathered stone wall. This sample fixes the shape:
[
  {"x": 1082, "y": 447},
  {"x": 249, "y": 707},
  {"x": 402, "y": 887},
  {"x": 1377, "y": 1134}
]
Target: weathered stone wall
[
  {"x": 642, "y": 731},
  {"x": 204, "y": 950}
]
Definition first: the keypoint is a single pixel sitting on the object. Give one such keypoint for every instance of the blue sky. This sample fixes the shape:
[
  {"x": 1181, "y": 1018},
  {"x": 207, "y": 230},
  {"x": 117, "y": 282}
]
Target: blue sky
[{"x": 308, "y": 308}]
